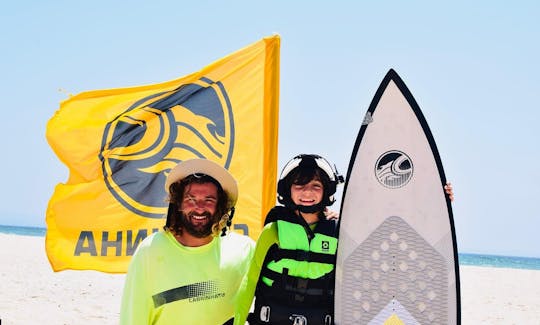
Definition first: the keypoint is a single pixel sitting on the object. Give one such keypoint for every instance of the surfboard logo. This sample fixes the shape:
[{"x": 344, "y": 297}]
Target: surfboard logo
[
  {"x": 394, "y": 169},
  {"x": 142, "y": 144}
]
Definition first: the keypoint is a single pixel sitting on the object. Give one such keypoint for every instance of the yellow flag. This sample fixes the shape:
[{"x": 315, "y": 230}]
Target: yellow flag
[{"x": 119, "y": 145}]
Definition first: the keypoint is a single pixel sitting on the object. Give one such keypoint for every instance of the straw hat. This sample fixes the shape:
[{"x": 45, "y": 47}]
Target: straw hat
[{"x": 208, "y": 167}]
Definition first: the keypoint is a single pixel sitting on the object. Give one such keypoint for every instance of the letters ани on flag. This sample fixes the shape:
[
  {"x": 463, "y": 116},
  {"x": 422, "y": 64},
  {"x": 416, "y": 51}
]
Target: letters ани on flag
[{"x": 119, "y": 145}]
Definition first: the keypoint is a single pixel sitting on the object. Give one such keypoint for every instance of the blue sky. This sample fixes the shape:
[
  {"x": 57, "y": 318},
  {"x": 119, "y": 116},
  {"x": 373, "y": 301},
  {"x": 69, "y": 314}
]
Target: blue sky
[{"x": 473, "y": 68}]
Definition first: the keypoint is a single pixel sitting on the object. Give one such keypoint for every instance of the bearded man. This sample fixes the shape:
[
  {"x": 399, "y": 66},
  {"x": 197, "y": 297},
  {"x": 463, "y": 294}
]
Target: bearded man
[{"x": 189, "y": 273}]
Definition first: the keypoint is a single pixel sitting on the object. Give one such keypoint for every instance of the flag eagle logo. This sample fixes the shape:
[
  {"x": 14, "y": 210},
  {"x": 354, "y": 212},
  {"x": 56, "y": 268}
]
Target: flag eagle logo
[{"x": 141, "y": 145}]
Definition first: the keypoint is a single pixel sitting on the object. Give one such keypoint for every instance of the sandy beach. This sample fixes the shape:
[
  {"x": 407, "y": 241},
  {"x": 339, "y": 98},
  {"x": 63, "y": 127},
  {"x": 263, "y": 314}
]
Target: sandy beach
[{"x": 31, "y": 293}]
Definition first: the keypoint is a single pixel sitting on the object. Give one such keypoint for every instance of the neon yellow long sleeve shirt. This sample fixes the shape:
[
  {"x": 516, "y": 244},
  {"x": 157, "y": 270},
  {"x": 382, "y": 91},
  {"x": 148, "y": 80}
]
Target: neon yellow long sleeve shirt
[{"x": 168, "y": 283}]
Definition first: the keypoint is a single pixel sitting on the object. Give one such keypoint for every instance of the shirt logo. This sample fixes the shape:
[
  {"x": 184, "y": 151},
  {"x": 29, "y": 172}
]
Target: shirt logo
[{"x": 194, "y": 292}]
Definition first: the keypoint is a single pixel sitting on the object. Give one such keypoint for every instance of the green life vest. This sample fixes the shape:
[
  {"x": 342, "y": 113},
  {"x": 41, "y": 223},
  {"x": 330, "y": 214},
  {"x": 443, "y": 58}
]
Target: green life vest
[
  {"x": 296, "y": 284},
  {"x": 302, "y": 264},
  {"x": 300, "y": 257}
]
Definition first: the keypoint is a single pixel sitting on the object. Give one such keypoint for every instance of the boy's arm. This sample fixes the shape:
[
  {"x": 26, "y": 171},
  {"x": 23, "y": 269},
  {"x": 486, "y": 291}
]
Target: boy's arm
[{"x": 246, "y": 292}]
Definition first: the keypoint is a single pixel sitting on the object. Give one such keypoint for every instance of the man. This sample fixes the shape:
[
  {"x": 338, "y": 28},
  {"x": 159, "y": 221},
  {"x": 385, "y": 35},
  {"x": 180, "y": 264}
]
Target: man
[{"x": 188, "y": 273}]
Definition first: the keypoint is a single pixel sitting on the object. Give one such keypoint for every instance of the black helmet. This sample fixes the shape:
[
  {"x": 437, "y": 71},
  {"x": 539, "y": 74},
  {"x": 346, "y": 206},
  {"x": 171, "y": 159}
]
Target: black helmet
[{"x": 308, "y": 161}]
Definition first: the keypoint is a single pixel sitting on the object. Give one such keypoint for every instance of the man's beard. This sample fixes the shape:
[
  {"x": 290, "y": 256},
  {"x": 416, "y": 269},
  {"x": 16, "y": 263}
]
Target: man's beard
[{"x": 194, "y": 229}]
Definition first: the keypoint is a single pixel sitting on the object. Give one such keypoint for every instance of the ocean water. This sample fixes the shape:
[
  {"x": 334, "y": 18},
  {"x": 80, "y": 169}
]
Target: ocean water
[
  {"x": 515, "y": 262},
  {"x": 26, "y": 231}
]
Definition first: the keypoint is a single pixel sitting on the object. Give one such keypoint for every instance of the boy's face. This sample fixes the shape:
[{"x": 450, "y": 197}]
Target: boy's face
[{"x": 307, "y": 194}]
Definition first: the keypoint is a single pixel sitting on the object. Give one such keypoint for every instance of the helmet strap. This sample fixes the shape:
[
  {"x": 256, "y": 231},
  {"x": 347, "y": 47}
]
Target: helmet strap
[{"x": 309, "y": 208}]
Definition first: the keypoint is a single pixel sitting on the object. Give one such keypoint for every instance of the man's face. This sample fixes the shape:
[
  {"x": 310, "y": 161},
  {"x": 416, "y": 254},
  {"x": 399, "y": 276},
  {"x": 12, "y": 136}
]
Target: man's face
[{"x": 198, "y": 209}]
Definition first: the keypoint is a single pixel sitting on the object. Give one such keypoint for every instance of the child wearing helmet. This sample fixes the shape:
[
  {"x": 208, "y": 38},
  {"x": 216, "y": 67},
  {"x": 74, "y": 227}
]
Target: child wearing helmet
[{"x": 291, "y": 275}]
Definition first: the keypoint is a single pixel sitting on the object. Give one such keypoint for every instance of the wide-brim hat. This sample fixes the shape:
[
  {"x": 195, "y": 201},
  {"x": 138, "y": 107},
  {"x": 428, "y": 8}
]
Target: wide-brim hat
[{"x": 207, "y": 167}]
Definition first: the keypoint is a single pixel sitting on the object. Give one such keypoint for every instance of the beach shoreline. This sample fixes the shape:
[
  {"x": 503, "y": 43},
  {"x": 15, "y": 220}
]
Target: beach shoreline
[{"x": 31, "y": 293}]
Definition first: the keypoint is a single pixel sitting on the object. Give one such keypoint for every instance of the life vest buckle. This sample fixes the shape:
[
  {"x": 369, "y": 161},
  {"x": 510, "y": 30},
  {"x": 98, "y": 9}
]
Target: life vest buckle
[
  {"x": 328, "y": 320},
  {"x": 264, "y": 314},
  {"x": 298, "y": 319}
]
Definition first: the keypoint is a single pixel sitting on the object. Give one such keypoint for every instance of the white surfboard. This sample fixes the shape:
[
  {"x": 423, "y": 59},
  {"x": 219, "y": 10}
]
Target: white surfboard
[{"x": 397, "y": 256}]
